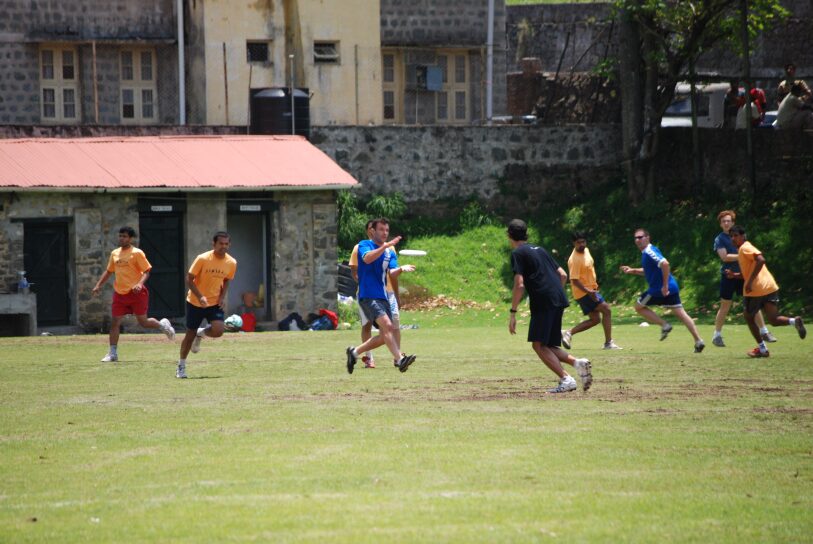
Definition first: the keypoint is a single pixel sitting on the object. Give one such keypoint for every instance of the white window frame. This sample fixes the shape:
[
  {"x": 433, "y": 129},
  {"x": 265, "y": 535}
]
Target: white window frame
[
  {"x": 59, "y": 86},
  {"x": 395, "y": 86},
  {"x": 453, "y": 88},
  {"x": 138, "y": 86}
]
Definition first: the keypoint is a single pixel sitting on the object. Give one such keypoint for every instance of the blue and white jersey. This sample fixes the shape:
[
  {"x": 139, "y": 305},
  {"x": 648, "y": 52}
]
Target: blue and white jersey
[
  {"x": 373, "y": 276},
  {"x": 651, "y": 259},
  {"x": 723, "y": 241}
]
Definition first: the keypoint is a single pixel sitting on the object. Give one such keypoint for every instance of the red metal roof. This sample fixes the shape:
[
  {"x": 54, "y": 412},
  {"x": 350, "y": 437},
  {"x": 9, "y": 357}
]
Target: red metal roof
[{"x": 171, "y": 162}]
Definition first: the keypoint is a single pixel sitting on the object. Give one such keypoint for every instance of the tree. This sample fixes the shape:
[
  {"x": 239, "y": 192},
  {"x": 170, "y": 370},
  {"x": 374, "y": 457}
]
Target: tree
[{"x": 659, "y": 41}]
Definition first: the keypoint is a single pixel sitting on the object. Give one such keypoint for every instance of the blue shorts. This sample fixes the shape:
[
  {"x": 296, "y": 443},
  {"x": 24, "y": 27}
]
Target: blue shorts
[
  {"x": 588, "y": 305},
  {"x": 672, "y": 301},
  {"x": 546, "y": 327},
  {"x": 195, "y": 315},
  {"x": 730, "y": 286},
  {"x": 374, "y": 308}
]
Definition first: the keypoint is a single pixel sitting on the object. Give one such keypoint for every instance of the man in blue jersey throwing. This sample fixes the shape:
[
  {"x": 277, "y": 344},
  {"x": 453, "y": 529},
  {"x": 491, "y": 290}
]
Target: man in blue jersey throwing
[
  {"x": 663, "y": 289},
  {"x": 374, "y": 264}
]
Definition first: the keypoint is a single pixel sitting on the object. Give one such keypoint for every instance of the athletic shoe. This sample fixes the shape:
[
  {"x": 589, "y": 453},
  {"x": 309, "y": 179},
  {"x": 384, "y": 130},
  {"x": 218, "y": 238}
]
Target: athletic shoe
[
  {"x": 368, "y": 362},
  {"x": 352, "y": 358},
  {"x": 800, "y": 327},
  {"x": 110, "y": 358},
  {"x": 565, "y": 384},
  {"x": 395, "y": 362},
  {"x": 405, "y": 361},
  {"x": 699, "y": 346},
  {"x": 166, "y": 328},
  {"x": 768, "y": 337},
  {"x": 567, "y": 336},
  {"x": 181, "y": 372},
  {"x": 757, "y": 353},
  {"x": 665, "y": 330},
  {"x": 611, "y": 345},
  {"x": 718, "y": 341},
  {"x": 196, "y": 342},
  {"x": 583, "y": 367}
]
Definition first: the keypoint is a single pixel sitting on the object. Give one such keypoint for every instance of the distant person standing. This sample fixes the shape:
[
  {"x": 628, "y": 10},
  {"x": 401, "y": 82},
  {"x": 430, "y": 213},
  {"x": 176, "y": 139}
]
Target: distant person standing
[
  {"x": 663, "y": 289},
  {"x": 794, "y": 112},
  {"x": 536, "y": 272},
  {"x": 208, "y": 282},
  {"x": 130, "y": 295},
  {"x": 727, "y": 252},
  {"x": 761, "y": 292},
  {"x": 584, "y": 285},
  {"x": 790, "y": 80},
  {"x": 375, "y": 262}
]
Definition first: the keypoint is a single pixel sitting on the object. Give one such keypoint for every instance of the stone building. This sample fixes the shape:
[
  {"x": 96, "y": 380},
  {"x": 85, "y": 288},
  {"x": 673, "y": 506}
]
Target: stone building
[
  {"x": 62, "y": 202},
  {"x": 434, "y": 61}
]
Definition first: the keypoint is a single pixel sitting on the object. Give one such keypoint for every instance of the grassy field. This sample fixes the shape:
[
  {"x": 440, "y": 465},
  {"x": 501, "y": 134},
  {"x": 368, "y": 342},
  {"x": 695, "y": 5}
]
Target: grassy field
[{"x": 271, "y": 440}]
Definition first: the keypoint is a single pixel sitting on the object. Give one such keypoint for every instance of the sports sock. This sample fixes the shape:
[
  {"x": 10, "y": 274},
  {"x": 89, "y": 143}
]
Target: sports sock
[
  {"x": 181, "y": 362},
  {"x": 717, "y": 333},
  {"x": 114, "y": 350},
  {"x": 355, "y": 352},
  {"x": 792, "y": 321},
  {"x": 762, "y": 347},
  {"x": 202, "y": 331},
  {"x": 763, "y": 330}
]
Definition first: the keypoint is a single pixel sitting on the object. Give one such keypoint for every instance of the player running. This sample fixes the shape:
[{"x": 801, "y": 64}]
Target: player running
[
  {"x": 585, "y": 290},
  {"x": 663, "y": 289},
  {"x": 130, "y": 295},
  {"x": 374, "y": 264},
  {"x": 208, "y": 281},
  {"x": 536, "y": 272},
  {"x": 727, "y": 252},
  {"x": 760, "y": 292}
]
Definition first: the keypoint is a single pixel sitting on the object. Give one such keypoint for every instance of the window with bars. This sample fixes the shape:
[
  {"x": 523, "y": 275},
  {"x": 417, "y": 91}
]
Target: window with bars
[
  {"x": 138, "y": 86},
  {"x": 258, "y": 51},
  {"x": 326, "y": 52},
  {"x": 59, "y": 84}
]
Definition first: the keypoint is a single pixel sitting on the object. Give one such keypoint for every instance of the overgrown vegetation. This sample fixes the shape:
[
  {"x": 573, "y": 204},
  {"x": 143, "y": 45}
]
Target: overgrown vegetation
[{"x": 468, "y": 259}]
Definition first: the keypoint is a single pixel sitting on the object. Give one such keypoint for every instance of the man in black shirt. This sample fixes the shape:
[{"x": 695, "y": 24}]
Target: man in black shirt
[{"x": 536, "y": 272}]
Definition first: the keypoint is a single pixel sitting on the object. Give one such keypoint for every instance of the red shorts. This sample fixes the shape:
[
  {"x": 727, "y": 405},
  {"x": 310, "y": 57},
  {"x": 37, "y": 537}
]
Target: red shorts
[{"x": 131, "y": 303}]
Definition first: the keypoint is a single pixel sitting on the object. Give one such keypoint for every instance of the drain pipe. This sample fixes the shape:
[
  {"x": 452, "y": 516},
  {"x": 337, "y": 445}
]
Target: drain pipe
[
  {"x": 490, "y": 63},
  {"x": 181, "y": 72}
]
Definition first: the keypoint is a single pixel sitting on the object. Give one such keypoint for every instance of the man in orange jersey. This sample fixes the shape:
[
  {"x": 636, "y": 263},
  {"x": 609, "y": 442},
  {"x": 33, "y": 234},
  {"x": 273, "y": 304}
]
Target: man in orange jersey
[
  {"x": 208, "y": 281},
  {"x": 761, "y": 292},
  {"x": 130, "y": 295}
]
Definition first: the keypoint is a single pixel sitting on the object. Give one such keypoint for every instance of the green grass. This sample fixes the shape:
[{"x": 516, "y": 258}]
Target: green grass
[{"x": 271, "y": 440}]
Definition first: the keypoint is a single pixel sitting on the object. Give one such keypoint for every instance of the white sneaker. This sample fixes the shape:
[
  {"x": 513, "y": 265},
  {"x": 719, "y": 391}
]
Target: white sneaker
[
  {"x": 110, "y": 358},
  {"x": 166, "y": 328},
  {"x": 584, "y": 368},
  {"x": 196, "y": 342},
  {"x": 565, "y": 384},
  {"x": 611, "y": 345},
  {"x": 181, "y": 372},
  {"x": 567, "y": 336}
]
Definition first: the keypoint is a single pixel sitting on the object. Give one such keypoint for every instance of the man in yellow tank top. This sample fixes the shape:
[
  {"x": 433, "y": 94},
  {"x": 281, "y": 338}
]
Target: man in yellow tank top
[
  {"x": 208, "y": 281},
  {"x": 130, "y": 295},
  {"x": 760, "y": 292}
]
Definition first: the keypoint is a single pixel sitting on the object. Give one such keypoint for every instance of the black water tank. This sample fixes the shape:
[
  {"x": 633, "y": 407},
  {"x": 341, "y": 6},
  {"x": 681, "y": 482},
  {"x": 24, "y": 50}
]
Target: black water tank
[{"x": 271, "y": 111}]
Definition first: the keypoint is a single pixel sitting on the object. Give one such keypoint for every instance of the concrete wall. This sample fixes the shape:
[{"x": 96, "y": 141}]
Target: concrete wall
[
  {"x": 436, "y": 168},
  {"x": 25, "y": 25},
  {"x": 345, "y": 93}
]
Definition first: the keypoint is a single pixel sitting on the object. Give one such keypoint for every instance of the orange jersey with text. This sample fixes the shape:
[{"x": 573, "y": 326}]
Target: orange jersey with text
[
  {"x": 582, "y": 267},
  {"x": 764, "y": 284},
  {"x": 210, "y": 272},
  {"x": 128, "y": 265}
]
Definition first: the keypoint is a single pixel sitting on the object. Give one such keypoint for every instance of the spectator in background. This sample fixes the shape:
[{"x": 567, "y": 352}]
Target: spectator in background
[
  {"x": 734, "y": 98},
  {"x": 790, "y": 79},
  {"x": 758, "y": 103},
  {"x": 793, "y": 112}
]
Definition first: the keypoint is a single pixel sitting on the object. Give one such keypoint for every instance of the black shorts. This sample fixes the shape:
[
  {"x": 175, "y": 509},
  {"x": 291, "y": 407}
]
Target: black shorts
[
  {"x": 588, "y": 305},
  {"x": 754, "y": 304},
  {"x": 546, "y": 327},
  {"x": 728, "y": 287},
  {"x": 670, "y": 301},
  {"x": 374, "y": 308},
  {"x": 195, "y": 315}
]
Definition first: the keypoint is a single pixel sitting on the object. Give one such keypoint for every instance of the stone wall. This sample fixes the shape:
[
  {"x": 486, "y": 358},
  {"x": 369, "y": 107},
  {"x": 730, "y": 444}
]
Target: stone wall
[
  {"x": 26, "y": 25},
  {"x": 507, "y": 167},
  {"x": 304, "y": 260},
  {"x": 591, "y": 34}
]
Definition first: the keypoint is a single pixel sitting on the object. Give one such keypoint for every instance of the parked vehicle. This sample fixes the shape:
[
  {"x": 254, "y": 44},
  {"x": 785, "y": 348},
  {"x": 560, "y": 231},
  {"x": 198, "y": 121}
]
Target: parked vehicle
[{"x": 710, "y": 106}]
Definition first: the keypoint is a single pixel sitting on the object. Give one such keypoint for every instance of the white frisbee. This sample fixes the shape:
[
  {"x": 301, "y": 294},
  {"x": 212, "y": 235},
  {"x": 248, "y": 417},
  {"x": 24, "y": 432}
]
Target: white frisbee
[{"x": 413, "y": 252}]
